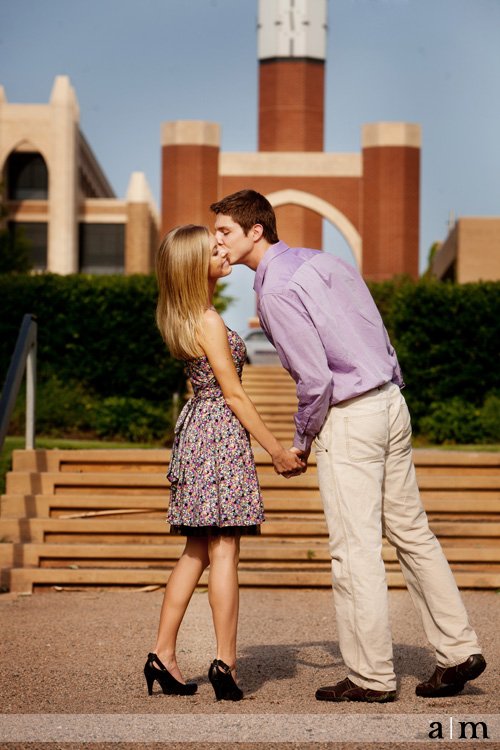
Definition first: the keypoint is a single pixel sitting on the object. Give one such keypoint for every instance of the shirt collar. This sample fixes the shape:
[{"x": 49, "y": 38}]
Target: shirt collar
[{"x": 272, "y": 252}]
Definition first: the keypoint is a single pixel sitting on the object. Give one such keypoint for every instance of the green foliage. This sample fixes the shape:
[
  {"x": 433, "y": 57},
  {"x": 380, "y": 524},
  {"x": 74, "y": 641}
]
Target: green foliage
[
  {"x": 458, "y": 421},
  {"x": 62, "y": 408},
  {"x": 14, "y": 250},
  {"x": 133, "y": 419},
  {"x": 98, "y": 331},
  {"x": 14, "y": 253},
  {"x": 434, "y": 248},
  {"x": 453, "y": 421},
  {"x": 490, "y": 418},
  {"x": 446, "y": 336},
  {"x": 68, "y": 409},
  {"x": 384, "y": 293},
  {"x": 103, "y": 369}
]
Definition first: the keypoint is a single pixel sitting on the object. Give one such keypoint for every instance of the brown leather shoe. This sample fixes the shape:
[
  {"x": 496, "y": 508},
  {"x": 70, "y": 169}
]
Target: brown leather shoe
[
  {"x": 348, "y": 691},
  {"x": 448, "y": 681}
]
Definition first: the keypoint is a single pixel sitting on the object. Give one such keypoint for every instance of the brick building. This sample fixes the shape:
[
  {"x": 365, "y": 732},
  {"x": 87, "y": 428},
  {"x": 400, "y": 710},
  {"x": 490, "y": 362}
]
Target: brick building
[
  {"x": 371, "y": 197},
  {"x": 56, "y": 192}
]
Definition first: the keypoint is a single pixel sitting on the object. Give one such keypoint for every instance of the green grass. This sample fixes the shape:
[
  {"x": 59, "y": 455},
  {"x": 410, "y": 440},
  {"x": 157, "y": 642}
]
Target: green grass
[
  {"x": 14, "y": 443},
  {"x": 477, "y": 447},
  {"x": 473, "y": 447}
]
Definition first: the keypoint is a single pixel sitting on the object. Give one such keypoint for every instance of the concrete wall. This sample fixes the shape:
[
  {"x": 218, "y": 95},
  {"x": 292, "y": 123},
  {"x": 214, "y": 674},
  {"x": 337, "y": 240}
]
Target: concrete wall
[
  {"x": 471, "y": 252},
  {"x": 78, "y": 190}
]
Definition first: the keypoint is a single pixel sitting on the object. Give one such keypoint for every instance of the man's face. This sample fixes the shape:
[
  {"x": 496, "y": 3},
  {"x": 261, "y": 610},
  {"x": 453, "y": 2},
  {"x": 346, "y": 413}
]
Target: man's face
[{"x": 232, "y": 238}]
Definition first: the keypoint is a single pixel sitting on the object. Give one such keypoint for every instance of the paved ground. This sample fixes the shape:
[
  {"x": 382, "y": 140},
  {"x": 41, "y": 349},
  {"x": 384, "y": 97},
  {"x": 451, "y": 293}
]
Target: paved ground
[{"x": 83, "y": 653}]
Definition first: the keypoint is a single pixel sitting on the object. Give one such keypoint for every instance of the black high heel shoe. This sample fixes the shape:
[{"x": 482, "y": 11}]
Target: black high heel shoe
[
  {"x": 168, "y": 684},
  {"x": 223, "y": 683}
]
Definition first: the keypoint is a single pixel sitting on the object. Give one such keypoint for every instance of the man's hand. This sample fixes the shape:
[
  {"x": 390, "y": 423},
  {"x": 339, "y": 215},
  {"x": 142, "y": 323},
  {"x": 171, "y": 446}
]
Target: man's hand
[
  {"x": 287, "y": 463},
  {"x": 303, "y": 455}
]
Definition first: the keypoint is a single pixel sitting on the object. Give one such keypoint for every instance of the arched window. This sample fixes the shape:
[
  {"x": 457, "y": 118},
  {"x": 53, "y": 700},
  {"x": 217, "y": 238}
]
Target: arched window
[{"x": 27, "y": 176}]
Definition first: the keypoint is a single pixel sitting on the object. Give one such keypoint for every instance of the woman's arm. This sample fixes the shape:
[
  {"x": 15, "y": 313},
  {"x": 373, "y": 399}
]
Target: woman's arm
[{"x": 213, "y": 340}]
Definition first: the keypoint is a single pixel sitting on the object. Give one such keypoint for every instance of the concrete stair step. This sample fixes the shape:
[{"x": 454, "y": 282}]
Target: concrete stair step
[
  {"x": 31, "y": 483},
  {"x": 51, "y": 554},
  {"x": 37, "y": 506},
  {"x": 22, "y": 580},
  {"x": 150, "y": 530},
  {"x": 96, "y": 518},
  {"x": 134, "y": 460}
]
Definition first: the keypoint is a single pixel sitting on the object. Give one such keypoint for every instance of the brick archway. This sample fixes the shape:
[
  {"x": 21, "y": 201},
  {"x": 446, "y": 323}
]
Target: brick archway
[{"x": 327, "y": 211}]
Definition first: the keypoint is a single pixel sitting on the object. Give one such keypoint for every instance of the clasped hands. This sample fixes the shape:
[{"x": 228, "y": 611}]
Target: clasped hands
[{"x": 290, "y": 463}]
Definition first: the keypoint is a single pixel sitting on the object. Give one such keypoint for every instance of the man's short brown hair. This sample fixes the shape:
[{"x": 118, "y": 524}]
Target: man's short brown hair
[{"x": 246, "y": 208}]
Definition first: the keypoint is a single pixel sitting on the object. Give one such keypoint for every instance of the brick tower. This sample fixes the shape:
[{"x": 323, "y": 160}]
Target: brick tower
[
  {"x": 291, "y": 50},
  {"x": 292, "y": 53},
  {"x": 391, "y": 187},
  {"x": 190, "y": 170},
  {"x": 370, "y": 197}
]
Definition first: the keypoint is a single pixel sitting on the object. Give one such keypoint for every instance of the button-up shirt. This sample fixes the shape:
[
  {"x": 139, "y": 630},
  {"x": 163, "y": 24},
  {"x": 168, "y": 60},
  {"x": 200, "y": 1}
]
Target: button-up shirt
[{"x": 319, "y": 314}]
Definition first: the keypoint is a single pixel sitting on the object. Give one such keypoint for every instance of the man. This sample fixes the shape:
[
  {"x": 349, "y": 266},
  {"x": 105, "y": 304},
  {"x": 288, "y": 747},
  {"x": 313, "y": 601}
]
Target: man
[{"x": 320, "y": 316}]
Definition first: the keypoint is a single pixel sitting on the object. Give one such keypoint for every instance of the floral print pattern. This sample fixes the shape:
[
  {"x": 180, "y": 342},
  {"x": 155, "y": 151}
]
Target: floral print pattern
[{"x": 212, "y": 470}]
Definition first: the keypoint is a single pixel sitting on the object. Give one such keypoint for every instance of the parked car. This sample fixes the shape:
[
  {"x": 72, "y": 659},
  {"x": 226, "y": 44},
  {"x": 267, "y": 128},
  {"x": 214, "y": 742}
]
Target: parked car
[{"x": 259, "y": 350}]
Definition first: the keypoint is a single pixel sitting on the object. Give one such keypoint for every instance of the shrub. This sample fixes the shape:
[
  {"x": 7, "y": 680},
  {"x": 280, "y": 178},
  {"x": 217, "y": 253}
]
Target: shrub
[
  {"x": 103, "y": 369},
  {"x": 458, "y": 421},
  {"x": 132, "y": 419},
  {"x": 490, "y": 418},
  {"x": 446, "y": 336},
  {"x": 453, "y": 421},
  {"x": 61, "y": 409},
  {"x": 99, "y": 331},
  {"x": 67, "y": 409},
  {"x": 98, "y": 341}
]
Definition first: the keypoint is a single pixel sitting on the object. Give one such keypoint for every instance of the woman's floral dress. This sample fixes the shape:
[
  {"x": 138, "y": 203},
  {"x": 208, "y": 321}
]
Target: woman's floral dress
[{"x": 214, "y": 486}]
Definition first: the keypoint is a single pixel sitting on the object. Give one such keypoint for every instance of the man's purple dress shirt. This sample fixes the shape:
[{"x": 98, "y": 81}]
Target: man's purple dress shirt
[{"x": 319, "y": 314}]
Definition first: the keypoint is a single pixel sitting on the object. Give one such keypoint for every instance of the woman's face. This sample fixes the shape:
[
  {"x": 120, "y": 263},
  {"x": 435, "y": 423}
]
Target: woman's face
[{"x": 218, "y": 266}]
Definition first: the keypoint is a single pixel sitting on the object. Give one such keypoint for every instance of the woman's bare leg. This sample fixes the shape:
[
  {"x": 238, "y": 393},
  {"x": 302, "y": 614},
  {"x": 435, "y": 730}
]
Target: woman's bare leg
[
  {"x": 178, "y": 593},
  {"x": 223, "y": 594}
]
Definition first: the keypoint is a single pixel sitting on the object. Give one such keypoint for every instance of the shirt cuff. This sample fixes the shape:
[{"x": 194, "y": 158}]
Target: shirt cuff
[{"x": 302, "y": 442}]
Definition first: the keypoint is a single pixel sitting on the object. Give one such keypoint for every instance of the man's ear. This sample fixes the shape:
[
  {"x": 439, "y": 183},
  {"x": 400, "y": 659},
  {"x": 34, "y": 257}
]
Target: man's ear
[{"x": 256, "y": 232}]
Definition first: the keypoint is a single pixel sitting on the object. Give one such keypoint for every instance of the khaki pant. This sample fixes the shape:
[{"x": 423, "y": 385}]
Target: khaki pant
[{"x": 368, "y": 487}]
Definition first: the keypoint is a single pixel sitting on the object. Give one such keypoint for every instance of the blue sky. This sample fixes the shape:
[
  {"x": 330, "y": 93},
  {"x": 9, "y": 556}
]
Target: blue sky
[{"x": 137, "y": 63}]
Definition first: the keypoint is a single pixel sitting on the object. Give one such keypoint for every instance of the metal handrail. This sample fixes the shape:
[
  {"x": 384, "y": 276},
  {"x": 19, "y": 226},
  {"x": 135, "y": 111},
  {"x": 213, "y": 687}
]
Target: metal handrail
[{"x": 24, "y": 358}]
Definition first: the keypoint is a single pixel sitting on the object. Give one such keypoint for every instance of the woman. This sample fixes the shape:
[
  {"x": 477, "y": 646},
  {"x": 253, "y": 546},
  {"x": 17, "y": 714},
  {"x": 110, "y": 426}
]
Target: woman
[{"x": 215, "y": 495}]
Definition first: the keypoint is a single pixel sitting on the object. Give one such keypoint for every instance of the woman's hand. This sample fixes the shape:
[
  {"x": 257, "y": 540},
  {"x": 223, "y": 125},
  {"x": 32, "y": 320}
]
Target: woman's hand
[{"x": 287, "y": 463}]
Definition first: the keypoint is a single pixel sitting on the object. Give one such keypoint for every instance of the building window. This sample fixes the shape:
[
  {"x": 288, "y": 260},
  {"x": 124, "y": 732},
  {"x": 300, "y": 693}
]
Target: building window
[
  {"x": 102, "y": 248},
  {"x": 27, "y": 177},
  {"x": 33, "y": 237}
]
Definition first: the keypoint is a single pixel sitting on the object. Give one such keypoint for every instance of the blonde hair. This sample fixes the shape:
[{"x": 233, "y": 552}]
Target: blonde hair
[{"x": 182, "y": 271}]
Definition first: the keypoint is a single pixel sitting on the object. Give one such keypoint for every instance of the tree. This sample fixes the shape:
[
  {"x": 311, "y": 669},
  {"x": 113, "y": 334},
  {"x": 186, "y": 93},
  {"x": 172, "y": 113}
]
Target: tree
[
  {"x": 14, "y": 247},
  {"x": 427, "y": 274}
]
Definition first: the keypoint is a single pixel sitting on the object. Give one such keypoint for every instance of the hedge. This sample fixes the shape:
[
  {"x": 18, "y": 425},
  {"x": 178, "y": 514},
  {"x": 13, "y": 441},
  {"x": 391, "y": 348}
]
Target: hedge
[
  {"x": 447, "y": 339},
  {"x": 103, "y": 368},
  {"x": 97, "y": 330},
  {"x": 101, "y": 354}
]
